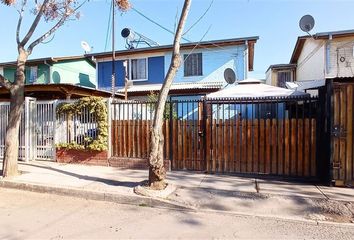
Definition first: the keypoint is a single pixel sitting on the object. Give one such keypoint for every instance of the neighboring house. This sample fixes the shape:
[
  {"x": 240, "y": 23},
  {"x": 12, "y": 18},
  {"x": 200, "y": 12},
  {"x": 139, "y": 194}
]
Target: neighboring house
[
  {"x": 54, "y": 78},
  {"x": 201, "y": 71},
  {"x": 77, "y": 70},
  {"x": 328, "y": 55},
  {"x": 278, "y": 74}
]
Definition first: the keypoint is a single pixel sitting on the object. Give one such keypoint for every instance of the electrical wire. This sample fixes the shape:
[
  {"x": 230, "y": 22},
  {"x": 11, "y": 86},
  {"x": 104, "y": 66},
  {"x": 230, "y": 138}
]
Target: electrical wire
[{"x": 108, "y": 33}]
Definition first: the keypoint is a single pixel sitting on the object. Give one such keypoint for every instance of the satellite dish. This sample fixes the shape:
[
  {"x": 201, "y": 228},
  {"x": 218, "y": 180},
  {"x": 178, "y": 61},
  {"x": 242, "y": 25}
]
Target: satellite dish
[
  {"x": 85, "y": 46},
  {"x": 229, "y": 75},
  {"x": 306, "y": 23},
  {"x": 127, "y": 33}
]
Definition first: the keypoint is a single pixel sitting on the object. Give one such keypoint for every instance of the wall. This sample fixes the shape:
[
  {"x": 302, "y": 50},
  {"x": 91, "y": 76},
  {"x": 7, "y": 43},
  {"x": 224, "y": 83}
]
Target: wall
[
  {"x": 215, "y": 61},
  {"x": 311, "y": 62},
  {"x": 340, "y": 47},
  {"x": 77, "y": 72},
  {"x": 269, "y": 77},
  {"x": 155, "y": 70},
  {"x": 42, "y": 75}
]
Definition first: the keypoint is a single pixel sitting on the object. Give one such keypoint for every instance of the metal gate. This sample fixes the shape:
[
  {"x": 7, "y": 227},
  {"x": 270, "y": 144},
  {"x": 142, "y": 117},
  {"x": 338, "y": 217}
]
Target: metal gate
[
  {"x": 36, "y": 134},
  {"x": 274, "y": 136},
  {"x": 342, "y": 134},
  {"x": 4, "y": 118}
]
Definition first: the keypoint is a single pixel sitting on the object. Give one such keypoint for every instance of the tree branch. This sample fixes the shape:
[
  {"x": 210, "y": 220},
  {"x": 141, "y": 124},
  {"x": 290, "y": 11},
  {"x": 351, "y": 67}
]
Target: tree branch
[
  {"x": 47, "y": 34},
  {"x": 4, "y": 82},
  {"x": 34, "y": 24},
  {"x": 24, "y": 3}
]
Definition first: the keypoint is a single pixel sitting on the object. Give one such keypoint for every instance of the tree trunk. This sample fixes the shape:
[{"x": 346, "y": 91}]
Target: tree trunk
[
  {"x": 10, "y": 166},
  {"x": 157, "y": 171}
]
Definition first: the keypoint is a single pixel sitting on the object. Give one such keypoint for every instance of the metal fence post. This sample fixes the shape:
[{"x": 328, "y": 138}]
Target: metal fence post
[
  {"x": 27, "y": 130},
  {"x": 109, "y": 119}
]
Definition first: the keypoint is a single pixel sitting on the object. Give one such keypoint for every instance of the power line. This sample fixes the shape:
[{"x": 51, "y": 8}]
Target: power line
[{"x": 108, "y": 28}]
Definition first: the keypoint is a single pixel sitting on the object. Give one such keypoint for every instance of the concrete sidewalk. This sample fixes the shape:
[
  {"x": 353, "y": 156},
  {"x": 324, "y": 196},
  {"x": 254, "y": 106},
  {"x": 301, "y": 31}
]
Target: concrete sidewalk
[{"x": 195, "y": 191}]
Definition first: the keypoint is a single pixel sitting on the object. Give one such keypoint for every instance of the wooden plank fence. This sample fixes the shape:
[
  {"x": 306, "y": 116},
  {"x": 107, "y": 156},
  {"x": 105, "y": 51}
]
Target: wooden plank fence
[
  {"x": 342, "y": 134},
  {"x": 282, "y": 144}
]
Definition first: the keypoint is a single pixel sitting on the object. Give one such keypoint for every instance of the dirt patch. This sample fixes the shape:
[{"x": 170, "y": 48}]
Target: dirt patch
[{"x": 329, "y": 210}]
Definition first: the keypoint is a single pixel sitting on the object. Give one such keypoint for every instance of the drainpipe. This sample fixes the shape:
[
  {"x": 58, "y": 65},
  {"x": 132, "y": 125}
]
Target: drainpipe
[
  {"x": 50, "y": 71},
  {"x": 328, "y": 48},
  {"x": 246, "y": 60}
]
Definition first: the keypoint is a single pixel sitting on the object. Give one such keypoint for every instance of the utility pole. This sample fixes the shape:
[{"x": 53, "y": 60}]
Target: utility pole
[{"x": 113, "y": 53}]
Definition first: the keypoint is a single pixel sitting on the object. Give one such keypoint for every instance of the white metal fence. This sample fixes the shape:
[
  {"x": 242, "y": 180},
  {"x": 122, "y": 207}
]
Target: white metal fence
[{"x": 41, "y": 129}]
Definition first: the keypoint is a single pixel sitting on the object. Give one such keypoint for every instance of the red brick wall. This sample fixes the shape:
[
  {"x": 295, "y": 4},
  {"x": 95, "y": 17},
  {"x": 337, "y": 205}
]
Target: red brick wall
[
  {"x": 133, "y": 163},
  {"x": 101, "y": 159},
  {"x": 82, "y": 157}
]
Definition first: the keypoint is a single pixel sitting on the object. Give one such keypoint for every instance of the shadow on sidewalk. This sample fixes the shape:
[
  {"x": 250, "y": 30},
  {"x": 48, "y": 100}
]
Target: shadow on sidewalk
[{"x": 90, "y": 178}]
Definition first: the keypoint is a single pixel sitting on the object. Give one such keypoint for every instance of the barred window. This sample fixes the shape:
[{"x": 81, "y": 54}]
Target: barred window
[
  {"x": 193, "y": 64},
  {"x": 283, "y": 77}
]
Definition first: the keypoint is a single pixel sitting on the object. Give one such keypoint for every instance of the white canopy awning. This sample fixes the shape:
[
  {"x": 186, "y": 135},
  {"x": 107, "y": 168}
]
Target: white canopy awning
[{"x": 253, "y": 88}]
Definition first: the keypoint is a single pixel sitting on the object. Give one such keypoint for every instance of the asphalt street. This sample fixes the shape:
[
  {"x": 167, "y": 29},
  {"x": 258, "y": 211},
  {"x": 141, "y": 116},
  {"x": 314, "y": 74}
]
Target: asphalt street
[{"x": 28, "y": 215}]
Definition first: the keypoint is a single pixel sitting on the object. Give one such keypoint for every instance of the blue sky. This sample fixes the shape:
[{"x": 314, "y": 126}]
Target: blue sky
[{"x": 275, "y": 22}]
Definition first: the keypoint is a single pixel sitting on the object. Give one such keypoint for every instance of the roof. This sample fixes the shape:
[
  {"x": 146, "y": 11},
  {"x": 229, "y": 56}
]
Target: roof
[
  {"x": 281, "y": 66},
  {"x": 322, "y": 35},
  {"x": 253, "y": 89},
  {"x": 58, "y": 91},
  {"x": 175, "y": 86},
  {"x": 192, "y": 45},
  {"x": 312, "y": 84},
  {"x": 49, "y": 60}
]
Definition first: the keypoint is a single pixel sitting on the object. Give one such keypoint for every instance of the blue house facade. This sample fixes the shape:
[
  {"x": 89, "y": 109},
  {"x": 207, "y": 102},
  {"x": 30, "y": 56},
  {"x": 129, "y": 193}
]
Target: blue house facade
[{"x": 201, "y": 71}]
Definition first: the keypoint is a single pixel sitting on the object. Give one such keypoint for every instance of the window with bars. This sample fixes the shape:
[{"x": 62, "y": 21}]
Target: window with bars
[
  {"x": 283, "y": 77},
  {"x": 138, "y": 69},
  {"x": 33, "y": 74},
  {"x": 193, "y": 65}
]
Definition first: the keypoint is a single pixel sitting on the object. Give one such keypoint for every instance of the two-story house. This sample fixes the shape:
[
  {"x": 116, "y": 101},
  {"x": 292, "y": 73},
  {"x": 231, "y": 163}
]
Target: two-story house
[
  {"x": 325, "y": 62},
  {"x": 52, "y": 78},
  {"x": 201, "y": 71},
  {"x": 322, "y": 56}
]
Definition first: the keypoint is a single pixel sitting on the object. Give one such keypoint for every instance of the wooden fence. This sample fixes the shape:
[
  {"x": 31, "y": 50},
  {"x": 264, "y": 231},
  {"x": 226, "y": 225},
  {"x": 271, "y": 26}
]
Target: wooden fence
[
  {"x": 223, "y": 137},
  {"x": 342, "y": 134}
]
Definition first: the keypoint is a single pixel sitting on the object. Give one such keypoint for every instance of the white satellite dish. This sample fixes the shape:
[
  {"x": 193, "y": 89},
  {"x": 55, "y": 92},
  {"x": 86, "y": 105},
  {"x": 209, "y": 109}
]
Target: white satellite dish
[
  {"x": 85, "y": 46},
  {"x": 306, "y": 23}
]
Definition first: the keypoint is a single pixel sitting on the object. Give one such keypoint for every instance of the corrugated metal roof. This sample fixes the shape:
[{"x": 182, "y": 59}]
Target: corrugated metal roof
[{"x": 175, "y": 86}]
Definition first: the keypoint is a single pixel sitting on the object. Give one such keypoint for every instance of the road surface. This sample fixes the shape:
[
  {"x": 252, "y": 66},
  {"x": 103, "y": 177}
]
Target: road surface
[{"x": 28, "y": 215}]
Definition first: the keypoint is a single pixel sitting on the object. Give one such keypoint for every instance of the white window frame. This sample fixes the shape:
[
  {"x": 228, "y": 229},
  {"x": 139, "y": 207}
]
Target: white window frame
[{"x": 146, "y": 70}]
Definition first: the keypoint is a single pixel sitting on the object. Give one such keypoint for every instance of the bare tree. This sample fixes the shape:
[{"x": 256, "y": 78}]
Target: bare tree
[
  {"x": 157, "y": 171},
  {"x": 55, "y": 13}
]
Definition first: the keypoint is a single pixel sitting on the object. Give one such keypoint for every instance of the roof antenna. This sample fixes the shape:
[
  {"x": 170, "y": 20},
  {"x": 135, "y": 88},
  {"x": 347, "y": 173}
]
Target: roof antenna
[{"x": 306, "y": 24}]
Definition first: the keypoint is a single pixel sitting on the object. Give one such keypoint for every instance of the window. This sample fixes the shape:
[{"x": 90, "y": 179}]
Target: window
[
  {"x": 193, "y": 65},
  {"x": 138, "y": 69},
  {"x": 283, "y": 77},
  {"x": 33, "y": 74}
]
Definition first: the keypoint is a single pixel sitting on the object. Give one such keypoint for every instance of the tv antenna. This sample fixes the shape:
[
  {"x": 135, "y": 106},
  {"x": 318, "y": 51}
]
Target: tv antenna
[
  {"x": 229, "y": 76},
  {"x": 307, "y": 23},
  {"x": 133, "y": 39},
  {"x": 86, "y": 47}
]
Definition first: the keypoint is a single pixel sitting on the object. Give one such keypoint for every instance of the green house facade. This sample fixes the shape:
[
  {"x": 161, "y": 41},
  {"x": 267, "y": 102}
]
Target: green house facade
[{"x": 78, "y": 70}]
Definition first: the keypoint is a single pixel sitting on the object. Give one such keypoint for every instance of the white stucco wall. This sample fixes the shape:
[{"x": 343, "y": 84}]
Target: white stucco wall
[
  {"x": 215, "y": 61},
  {"x": 341, "y": 48},
  {"x": 311, "y": 62},
  {"x": 269, "y": 77},
  {"x": 2, "y": 71}
]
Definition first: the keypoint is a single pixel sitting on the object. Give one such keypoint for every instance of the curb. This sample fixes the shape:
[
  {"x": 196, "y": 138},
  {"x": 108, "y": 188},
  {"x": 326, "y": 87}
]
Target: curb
[{"x": 94, "y": 195}]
